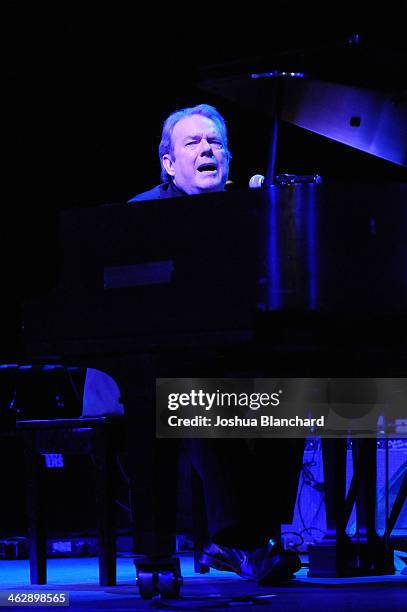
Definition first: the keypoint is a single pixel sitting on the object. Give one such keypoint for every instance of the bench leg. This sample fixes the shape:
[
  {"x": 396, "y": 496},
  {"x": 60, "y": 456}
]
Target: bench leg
[
  {"x": 35, "y": 511},
  {"x": 106, "y": 508}
]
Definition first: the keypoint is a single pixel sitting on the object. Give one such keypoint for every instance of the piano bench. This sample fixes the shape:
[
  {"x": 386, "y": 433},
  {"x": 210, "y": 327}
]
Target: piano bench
[{"x": 100, "y": 437}]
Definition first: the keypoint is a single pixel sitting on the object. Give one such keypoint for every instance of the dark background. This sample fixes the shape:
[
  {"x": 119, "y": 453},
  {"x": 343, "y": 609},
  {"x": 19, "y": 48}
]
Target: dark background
[{"x": 86, "y": 89}]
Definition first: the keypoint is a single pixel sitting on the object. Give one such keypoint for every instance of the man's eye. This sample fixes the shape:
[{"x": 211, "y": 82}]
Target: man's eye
[
  {"x": 189, "y": 144},
  {"x": 217, "y": 144}
]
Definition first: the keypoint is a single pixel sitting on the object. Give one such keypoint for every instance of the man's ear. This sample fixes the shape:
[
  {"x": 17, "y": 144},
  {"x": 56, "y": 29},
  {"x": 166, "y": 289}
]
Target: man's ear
[{"x": 168, "y": 164}]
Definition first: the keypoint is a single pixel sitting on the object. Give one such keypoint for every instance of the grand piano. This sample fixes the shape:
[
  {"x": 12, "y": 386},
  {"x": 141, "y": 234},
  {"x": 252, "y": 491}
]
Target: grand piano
[
  {"x": 296, "y": 279},
  {"x": 295, "y": 265}
]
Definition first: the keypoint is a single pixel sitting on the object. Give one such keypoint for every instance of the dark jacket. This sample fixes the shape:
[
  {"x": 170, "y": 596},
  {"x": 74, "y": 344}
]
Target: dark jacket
[{"x": 160, "y": 192}]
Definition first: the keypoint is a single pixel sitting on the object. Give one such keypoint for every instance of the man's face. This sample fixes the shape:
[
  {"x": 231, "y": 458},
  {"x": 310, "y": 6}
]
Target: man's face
[{"x": 199, "y": 161}]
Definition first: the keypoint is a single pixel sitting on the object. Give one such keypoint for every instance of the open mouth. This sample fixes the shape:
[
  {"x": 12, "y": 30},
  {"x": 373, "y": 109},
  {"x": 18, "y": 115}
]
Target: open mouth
[{"x": 207, "y": 168}]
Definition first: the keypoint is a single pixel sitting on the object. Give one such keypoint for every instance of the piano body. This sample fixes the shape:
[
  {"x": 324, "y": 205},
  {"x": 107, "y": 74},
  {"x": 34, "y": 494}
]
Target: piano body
[
  {"x": 228, "y": 269},
  {"x": 289, "y": 280}
]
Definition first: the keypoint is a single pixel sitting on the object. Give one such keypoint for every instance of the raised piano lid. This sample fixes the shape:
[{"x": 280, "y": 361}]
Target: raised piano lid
[{"x": 369, "y": 112}]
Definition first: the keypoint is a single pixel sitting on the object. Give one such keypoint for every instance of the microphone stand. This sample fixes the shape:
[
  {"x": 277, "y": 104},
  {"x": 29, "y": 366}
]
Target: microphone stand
[
  {"x": 272, "y": 156},
  {"x": 279, "y": 77}
]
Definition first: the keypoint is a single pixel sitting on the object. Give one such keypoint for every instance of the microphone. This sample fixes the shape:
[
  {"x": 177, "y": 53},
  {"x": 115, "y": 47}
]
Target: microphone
[{"x": 256, "y": 181}]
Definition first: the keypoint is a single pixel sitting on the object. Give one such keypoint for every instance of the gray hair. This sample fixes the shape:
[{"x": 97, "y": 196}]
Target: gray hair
[{"x": 166, "y": 144}]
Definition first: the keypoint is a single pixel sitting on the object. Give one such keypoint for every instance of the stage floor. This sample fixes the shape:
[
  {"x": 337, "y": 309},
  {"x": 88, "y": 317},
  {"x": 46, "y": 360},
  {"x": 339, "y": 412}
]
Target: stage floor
[{"x": 216, "y": 590}]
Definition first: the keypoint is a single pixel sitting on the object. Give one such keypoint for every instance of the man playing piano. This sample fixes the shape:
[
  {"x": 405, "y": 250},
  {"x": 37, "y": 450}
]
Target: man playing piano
[{"x": 244, "y": 526}]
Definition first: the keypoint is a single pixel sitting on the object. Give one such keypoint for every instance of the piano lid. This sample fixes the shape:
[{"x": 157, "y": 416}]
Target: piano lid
[{"x": 352, "y": 93}]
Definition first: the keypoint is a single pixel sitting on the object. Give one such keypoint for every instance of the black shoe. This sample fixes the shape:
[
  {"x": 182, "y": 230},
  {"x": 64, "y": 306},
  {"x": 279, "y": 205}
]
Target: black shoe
[
  {"x": 265, "y": 565},
  {"x": 272, "y": 563}
]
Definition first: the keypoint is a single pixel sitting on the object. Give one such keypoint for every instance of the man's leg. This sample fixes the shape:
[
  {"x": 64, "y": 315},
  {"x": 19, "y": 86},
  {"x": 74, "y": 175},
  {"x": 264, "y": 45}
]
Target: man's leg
[
  {"x": 244, "y": 525},
  {"x": 238, "y": 510}
]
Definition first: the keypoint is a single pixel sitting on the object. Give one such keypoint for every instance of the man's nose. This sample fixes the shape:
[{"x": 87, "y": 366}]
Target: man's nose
[{"x": 206, "y": 147}]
